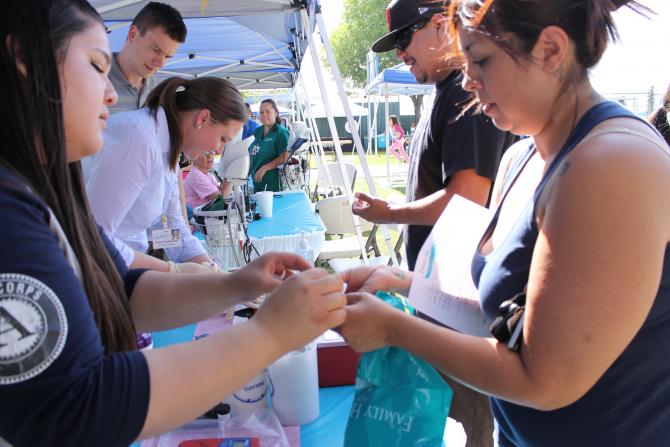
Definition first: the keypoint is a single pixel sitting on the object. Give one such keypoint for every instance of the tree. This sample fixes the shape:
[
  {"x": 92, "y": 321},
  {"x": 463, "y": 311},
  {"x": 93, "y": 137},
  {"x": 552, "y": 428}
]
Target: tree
[{"x": 363, "y": 22}]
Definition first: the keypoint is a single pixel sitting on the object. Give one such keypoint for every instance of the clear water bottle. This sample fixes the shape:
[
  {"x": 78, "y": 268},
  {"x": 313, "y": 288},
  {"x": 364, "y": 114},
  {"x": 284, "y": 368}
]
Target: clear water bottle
[{"x": 305, "y": 250}]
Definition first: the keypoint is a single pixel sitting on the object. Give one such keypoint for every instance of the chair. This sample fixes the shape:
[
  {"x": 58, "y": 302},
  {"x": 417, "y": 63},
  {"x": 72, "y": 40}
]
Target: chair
[
  {"x": 335, "y": 212},
  {"x": 342, "y": 264},
  {"x": 330, "y": 182}
]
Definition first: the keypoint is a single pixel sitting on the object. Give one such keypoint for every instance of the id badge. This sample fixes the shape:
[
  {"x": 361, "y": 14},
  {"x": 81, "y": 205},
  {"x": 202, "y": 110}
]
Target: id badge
[{"x": 166, "y": 238}]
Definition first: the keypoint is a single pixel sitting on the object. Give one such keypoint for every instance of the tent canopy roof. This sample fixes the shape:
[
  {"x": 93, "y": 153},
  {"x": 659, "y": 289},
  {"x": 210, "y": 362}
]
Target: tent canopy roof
[
  {"x": 398, "y": 80},
  {"x": 127, "y": 9},
  {"x": 256, "y": 45}
]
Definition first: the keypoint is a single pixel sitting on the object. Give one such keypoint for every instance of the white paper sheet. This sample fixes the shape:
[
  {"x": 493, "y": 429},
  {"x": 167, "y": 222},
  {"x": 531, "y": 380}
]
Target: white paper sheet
[{"x": 442, "y": 286}]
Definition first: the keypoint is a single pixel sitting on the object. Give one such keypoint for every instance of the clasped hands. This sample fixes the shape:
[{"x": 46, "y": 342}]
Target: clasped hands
[
  {"x": 298, "y": 292},
  {"x": 300, "y": 302}
]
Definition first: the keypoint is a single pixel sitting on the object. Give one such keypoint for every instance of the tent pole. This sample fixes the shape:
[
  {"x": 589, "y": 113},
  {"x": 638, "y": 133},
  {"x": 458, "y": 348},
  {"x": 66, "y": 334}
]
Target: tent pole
[
  {"x": 376, "y": 117},
  {"x": 297, "y": 106},
  {"x": 360, "y": 121},
  {"x": 333, "y": 129},
  {"x": 386, "y": 136},
  {"x": 318, "y": 150},
  {"x": 373, "y": 123},
  {"x": 357, "y": 140},
  {"x": 307, "y": 24},
  {"x": 368, "y": 149}
]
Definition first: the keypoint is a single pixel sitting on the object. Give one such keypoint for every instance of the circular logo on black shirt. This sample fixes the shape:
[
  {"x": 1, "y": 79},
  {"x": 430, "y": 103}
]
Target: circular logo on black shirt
[{"x": 33, "y": 327}]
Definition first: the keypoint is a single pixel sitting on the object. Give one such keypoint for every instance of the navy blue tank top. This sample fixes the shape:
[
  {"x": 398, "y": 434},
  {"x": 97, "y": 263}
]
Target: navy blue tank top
[{"x": 630, "y": 403}]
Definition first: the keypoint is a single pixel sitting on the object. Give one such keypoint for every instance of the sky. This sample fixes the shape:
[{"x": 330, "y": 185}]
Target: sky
[
  {"x": 636, "y": 63},
  {"x": 332, "y": 15},
  {"x": 639, "y": 60}
]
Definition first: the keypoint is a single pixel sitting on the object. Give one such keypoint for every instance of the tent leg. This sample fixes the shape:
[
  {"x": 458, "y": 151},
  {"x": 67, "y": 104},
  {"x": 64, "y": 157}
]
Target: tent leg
[
  {"x": 333, "y": 128},
  {"x": 357, "y": 141},
  {"x": 316, "y": 137},
  {"x": 386, "y": 138}
]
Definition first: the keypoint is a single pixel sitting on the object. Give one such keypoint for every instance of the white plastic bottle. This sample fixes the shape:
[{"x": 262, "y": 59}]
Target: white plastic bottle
[
  {"x": 305, "y": 250},
  {"x": 295, "y": 380},
  {"x": 294, "y": 376}
]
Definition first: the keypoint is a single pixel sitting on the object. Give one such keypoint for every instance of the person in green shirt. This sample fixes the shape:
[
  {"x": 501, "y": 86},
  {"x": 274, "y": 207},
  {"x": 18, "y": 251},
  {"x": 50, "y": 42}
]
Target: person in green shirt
[{"x": 268, "y": 149}]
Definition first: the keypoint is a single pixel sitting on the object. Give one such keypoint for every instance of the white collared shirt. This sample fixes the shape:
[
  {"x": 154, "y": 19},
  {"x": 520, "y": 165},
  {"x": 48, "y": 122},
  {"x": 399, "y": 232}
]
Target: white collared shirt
[{"x": 130, "y": 185}]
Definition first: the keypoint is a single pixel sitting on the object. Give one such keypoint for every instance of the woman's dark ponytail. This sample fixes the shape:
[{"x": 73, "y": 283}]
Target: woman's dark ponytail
[
  {"x": 177, "y": 95},
  {"x": 165, "y": 95}
]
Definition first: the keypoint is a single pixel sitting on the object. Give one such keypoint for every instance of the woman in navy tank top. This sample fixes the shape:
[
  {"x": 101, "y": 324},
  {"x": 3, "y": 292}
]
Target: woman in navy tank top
[{"x": 582, "y": 222}]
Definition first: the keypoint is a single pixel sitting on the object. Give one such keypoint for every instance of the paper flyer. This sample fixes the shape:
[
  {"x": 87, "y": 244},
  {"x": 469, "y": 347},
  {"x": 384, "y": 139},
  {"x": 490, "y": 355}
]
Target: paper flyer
[{"x": 442, "y": 286}]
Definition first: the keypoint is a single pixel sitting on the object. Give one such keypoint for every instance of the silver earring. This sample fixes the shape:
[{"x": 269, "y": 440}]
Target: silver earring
[{"x": 558, "y": 72}]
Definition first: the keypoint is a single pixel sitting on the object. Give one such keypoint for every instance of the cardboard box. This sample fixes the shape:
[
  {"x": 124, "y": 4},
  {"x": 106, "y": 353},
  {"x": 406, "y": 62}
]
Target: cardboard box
[{"x": 337, "y": 361}]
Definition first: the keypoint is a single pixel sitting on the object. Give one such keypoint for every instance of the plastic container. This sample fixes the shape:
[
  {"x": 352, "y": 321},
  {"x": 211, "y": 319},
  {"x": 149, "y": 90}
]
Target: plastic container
[
  {"x": 264, "y": 201},
  {"x": 251, "y": 397},
  {"x": 305, "y": 250},
  {"x": 295, "y": 380}
]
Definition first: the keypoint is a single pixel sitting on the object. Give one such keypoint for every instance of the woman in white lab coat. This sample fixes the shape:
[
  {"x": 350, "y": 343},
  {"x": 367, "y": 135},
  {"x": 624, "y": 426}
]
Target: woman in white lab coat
[{"x": 132, "y": 183}]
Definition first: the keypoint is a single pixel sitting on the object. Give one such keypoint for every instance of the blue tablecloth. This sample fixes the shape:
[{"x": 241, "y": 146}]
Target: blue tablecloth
[
  {"x": 335, "y": 402},
  {"x": 292, "y": 213}
]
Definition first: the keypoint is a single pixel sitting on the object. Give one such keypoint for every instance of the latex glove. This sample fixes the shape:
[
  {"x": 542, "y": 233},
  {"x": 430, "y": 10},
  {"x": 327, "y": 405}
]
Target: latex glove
[
  {"x": 257, "y": 303},
  {"x": 212, "y": 266},
  {"x": 192, "y": 267}
]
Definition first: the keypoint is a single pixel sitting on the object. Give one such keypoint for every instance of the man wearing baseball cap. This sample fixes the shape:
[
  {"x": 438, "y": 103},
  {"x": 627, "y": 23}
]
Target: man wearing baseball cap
[{"x": 449, "y": 155}]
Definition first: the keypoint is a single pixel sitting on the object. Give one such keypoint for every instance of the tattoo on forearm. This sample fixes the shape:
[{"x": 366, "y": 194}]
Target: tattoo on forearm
[{"x": 402, "y": 276}]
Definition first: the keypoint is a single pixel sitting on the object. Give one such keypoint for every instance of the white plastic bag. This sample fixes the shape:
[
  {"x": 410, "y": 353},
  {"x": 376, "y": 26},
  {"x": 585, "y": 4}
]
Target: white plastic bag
[{"x": 262, "y": 424}]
